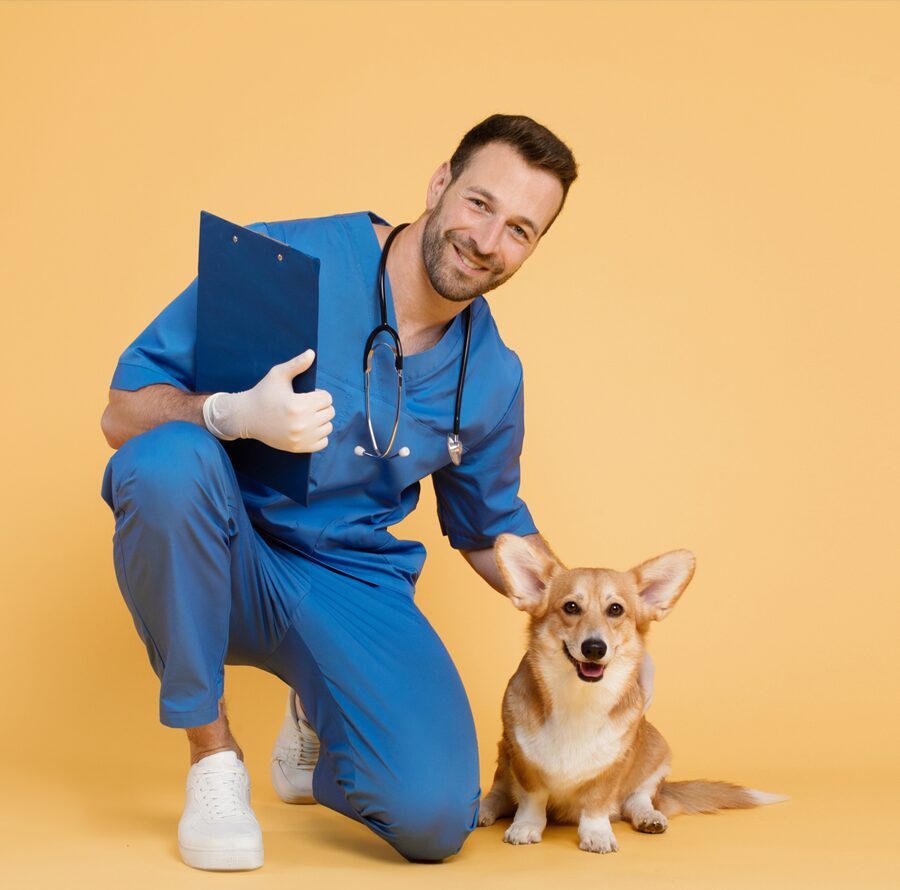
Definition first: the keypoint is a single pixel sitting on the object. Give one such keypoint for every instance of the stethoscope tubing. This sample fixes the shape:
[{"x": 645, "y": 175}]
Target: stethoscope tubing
[{"x": 454, "y": 444}]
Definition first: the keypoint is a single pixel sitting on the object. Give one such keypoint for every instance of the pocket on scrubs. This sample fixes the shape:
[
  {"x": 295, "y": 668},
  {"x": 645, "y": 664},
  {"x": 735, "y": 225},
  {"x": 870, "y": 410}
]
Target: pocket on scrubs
[
  {"x": 352, "y": 535},
  {"x": 427, "y": 453},
  {"x": 109, "y": 491},
  {"x": 320, "y": 465},
  {"x": 337, "y": 469}
]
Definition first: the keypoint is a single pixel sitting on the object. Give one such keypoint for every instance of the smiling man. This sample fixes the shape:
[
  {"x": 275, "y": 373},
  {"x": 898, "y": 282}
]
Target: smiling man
[{"x": 217, "y": 568}]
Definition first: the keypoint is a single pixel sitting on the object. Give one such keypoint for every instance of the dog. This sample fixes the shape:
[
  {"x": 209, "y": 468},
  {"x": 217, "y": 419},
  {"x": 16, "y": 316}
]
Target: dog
[{"x": 575, "y": 743}]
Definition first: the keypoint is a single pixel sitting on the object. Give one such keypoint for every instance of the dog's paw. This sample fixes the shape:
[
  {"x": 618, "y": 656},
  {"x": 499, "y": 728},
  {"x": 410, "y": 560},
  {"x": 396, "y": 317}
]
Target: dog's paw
[
  {"x": 486, "y": 815},
  {"x": 523, "y": 833},
  {"x": 653, "y": 822},
  {"x": 598, "y": 842}
]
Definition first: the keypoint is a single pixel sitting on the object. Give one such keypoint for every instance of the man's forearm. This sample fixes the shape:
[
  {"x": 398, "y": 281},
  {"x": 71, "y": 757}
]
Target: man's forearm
[
  {"x": 485, "y": 564},
  {"x": 129, "y": 414}
]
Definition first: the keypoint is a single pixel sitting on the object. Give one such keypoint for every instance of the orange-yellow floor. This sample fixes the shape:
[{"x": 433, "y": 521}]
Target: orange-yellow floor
[{"x": 78, "y": 826}]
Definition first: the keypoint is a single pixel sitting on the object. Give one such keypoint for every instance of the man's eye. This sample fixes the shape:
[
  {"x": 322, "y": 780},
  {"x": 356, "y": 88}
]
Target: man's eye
[
  {"x": 478, "y": 203},
  {"x": 571, "y": 608},
  {"x": 520, "y": 231},
  {"x": 615, "y": 610}
]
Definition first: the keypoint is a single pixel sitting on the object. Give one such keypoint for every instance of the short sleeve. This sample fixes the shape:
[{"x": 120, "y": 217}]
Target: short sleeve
[
  {"x": 479, "y": 499},
  {"x": 164, "y": 351}
]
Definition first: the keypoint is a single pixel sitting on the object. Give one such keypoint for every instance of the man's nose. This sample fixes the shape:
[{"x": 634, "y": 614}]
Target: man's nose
[{"x": 487, "y": 236}]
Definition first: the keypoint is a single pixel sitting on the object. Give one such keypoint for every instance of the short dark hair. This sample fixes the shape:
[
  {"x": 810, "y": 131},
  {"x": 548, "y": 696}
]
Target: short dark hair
[{"x": 534, "y": 142}]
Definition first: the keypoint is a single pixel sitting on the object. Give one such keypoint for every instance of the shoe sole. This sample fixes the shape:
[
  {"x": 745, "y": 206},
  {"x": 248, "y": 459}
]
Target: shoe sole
[{"x": 222, "y": 860}]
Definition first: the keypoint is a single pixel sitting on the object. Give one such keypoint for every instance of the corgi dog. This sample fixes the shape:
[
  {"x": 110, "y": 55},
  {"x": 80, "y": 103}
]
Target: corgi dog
[{"x": 575, "y": 742}]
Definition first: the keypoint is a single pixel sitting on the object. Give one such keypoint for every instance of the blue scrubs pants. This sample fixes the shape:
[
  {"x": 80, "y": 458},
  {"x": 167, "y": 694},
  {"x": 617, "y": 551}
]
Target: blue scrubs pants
[{"x": 397, "y": 741}]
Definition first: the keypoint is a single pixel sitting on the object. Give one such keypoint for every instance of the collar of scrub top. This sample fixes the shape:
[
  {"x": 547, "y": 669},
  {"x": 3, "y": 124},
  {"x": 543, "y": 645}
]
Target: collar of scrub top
[{"x": 454, "y": 443}]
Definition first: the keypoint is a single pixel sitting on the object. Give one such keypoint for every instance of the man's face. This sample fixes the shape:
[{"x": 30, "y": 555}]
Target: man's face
[{"x": 485, "y": 224}]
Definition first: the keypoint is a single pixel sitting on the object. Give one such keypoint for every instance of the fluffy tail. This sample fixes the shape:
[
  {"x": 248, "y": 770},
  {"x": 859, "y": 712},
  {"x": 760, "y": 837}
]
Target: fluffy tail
[{"x": 709, "y": 797}]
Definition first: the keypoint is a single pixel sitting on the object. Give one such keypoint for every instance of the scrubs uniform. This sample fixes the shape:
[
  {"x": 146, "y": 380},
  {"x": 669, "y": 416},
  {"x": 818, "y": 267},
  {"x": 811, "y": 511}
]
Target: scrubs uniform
[{"x": 217, "y": 568}]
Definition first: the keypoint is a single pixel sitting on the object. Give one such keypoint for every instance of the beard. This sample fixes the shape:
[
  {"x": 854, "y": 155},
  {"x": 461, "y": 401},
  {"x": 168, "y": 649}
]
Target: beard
[{"x": 440, "y": 264}]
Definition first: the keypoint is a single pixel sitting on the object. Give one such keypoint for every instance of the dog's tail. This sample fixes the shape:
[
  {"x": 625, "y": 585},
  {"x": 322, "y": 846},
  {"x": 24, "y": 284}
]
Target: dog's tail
[{"x": 709, "y": 797}]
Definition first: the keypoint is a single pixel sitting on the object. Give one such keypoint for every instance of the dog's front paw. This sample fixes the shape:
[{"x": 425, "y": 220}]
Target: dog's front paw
[
  {"x": 653, "y": 822},
  {"x": 523, "y": 833},
  {"x": 598, "y": 842},
  {"x": 486, "y": 813}
]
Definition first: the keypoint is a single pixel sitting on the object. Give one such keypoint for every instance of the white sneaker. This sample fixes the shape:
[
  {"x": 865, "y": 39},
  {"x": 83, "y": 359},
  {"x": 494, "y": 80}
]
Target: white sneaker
[
  {"x": 295, "y": 755},
  {"x": 218, "y": 829}
]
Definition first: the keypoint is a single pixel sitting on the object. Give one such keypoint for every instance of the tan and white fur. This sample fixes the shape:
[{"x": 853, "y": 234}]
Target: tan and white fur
[{"x": 575, "y": 743}]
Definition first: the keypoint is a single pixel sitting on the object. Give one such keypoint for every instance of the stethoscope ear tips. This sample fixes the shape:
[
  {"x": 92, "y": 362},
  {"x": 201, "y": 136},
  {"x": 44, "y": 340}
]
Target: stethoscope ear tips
[{"x": 359, "y": 451}]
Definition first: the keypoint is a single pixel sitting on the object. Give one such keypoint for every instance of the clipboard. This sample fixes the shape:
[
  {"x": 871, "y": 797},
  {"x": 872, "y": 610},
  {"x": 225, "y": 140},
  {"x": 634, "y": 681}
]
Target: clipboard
[{"x": 257, "y": 306}]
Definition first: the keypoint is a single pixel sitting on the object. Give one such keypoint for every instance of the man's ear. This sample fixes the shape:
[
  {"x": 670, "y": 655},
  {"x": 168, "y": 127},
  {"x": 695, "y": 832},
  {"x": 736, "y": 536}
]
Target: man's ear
[
  {"x": 526, "y": 572},
  {"x": 661, "y": 581},
  {"x": 437, "y": 185}
]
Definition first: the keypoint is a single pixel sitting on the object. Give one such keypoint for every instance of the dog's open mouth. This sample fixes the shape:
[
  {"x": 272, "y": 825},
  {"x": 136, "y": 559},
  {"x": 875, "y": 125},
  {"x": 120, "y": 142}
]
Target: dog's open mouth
[{"x": 589, "y": 671}]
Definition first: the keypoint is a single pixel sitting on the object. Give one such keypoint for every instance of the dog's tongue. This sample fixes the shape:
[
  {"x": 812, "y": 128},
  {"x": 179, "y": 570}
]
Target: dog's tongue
[{"x": 589, "y": 669}]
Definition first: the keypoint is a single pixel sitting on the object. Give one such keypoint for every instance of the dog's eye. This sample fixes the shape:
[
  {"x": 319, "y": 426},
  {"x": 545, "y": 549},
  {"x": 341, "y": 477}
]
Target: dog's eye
[
  {"x": 615, "y": 610},
  {"x": 572, "y": 608}
]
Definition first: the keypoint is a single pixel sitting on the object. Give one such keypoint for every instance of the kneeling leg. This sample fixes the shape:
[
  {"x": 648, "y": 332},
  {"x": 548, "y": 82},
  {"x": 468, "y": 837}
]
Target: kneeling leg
[{"x": 397, "y": 740}]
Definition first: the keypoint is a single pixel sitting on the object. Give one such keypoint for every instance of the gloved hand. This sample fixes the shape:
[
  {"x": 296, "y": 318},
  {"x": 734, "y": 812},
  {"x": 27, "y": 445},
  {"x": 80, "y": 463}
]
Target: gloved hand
[{"x": 272, "y": 412}]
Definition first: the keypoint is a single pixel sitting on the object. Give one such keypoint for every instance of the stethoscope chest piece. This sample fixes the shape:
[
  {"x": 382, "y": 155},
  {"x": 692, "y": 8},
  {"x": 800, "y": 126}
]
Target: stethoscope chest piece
[{"x": 454, "y": 446}]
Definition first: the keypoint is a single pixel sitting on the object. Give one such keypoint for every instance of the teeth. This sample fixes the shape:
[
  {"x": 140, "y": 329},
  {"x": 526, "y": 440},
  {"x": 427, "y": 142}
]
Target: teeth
[{"x": 470, "y": 264}]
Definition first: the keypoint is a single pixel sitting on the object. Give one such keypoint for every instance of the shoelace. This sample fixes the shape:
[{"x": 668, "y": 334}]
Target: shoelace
[
  {"x": 222, "y": 793},
  {"x": 309, "y": 747},
  {"x": 303, "y": 750}
]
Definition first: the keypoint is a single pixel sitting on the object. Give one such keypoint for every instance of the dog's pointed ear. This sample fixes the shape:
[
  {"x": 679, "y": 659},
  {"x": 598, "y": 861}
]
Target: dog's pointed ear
[
  {"x": 526, "y": 572},
  {"x": 662, "y": 580}
]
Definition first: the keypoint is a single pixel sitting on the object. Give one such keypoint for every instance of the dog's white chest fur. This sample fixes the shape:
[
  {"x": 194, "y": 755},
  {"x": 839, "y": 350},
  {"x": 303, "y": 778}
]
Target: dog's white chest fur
[{"x": 578, "y": 740}]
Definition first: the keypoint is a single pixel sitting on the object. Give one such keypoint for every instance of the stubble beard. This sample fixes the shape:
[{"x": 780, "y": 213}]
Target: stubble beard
[{"x": 445, "y": 278}]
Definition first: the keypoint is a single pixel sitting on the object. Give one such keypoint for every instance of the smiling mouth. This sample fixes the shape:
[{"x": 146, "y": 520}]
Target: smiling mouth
[
  {"x": 466, "y": 262},
  {"x": 589, "y": 671}
]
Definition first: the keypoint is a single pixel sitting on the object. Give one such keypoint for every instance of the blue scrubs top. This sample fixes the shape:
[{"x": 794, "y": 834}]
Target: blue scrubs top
[{"x": 353, "y": 500}]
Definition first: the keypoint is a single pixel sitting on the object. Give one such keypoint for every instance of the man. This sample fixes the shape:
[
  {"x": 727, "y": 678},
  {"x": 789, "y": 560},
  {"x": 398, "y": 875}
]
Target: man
[{"x": 218, "y": 568}]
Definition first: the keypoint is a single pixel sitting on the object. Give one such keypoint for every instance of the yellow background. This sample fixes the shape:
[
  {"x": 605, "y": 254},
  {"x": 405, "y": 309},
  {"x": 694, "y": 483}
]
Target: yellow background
[{"x": 709, "y": 335}]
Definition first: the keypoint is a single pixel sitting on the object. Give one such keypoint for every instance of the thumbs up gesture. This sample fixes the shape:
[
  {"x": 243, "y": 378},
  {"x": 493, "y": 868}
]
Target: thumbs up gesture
[{"x": 272, "y": 412}]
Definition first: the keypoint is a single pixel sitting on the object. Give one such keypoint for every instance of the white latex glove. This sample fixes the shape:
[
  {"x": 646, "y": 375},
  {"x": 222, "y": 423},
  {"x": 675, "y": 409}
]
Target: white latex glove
[{"x": 272, "y": 412}]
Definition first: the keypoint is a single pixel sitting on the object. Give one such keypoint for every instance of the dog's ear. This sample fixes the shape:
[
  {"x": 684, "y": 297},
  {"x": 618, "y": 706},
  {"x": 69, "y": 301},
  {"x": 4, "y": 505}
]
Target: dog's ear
[
  {"x": 526, "y": 572},
  {"x": 661, "y": 581}
]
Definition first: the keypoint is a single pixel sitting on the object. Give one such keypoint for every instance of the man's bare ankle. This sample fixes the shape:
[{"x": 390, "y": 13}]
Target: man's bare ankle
[
  {"x": 210, "y": 738},
  {"x": 200, "y": 753}
]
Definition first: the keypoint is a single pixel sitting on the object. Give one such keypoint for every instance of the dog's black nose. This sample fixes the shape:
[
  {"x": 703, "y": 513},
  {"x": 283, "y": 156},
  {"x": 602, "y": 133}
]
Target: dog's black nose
[{"x": 593, "y": 648}]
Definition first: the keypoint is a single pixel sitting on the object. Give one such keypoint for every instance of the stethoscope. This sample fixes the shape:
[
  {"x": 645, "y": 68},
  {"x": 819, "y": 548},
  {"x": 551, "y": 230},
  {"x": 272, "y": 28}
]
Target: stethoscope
[{"x": 454, "y": 444}]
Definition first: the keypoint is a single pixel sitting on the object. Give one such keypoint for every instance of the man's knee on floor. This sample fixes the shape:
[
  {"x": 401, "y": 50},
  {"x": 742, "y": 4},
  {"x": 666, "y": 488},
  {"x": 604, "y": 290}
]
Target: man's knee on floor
[
  {"x": 429, "y": 829},
  {"x": 162, "y": 468}
]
